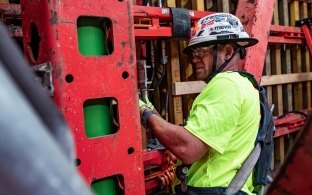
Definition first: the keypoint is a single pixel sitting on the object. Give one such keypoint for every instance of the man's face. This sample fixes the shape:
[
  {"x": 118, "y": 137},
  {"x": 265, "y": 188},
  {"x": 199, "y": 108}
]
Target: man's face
[{"x": 202, "y": 58}]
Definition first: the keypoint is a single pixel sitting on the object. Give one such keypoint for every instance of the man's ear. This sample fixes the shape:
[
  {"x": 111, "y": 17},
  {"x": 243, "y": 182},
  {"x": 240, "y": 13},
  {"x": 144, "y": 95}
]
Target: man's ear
[{"x": 229, "y": 50}]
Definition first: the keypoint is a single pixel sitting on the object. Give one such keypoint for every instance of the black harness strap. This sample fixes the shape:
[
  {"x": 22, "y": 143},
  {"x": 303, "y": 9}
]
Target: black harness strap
[
  {"x": 215, "y": 71},
  {"x": 215, "y": 58}
]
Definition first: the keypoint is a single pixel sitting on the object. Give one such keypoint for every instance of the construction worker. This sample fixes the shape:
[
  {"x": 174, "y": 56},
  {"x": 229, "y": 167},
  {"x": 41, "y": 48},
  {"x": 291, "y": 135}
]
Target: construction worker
[{"x": 222, "y": 125}]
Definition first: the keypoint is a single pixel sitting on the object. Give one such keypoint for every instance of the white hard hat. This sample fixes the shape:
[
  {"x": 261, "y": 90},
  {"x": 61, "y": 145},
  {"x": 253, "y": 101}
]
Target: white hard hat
[{"x": 219, "y": 28}]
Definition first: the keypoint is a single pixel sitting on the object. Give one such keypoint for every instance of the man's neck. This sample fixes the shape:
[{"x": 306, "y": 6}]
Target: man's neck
[{"x": 233, "y": 65}]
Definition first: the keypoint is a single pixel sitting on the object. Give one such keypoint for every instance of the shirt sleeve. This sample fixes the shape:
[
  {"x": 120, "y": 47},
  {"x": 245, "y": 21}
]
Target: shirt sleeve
[{"x": 215, "y": 113}]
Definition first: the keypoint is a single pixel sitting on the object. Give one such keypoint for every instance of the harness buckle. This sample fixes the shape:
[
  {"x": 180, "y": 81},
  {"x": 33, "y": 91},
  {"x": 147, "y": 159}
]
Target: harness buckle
[{"x": 181, "y": 172}]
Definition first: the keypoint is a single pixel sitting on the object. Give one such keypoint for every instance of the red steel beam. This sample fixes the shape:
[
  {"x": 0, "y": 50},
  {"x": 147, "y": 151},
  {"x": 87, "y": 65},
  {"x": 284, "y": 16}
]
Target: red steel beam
[
  {"x": 160, "y": 24},
  {"x": 284, "y": 131},
  {"x": 307, "y": 33},
  {"x": 256, "y": 16},
  {"x": 111, "y": 76},
  {"x": 157, "y": 22},
  {"x": 164, "y": 14},
  {"x": 159, "y": 168},
  {"x": 289, "y": 123},
  {"x": 285, "y": 35},
  {"x": 153, "y": 157}
]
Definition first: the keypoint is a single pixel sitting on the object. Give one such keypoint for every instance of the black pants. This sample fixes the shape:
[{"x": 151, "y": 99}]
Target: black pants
[{"x": 203, "y": 191}]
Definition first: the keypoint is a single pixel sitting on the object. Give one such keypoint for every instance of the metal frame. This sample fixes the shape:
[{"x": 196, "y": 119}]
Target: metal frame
[
  {"x": 285, "y": 35},
  {"x": 94, "y": 77},
  {"x": 289, "y": 123},
  {"x": 256, "y": 17},
  {"x": 152, "y": 23},
  {"x": 307, "y": 32}
]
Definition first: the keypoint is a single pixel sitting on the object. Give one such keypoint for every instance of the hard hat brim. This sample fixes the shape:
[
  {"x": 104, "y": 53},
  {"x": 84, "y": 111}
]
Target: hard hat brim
[{"x": 243, "y": 42}]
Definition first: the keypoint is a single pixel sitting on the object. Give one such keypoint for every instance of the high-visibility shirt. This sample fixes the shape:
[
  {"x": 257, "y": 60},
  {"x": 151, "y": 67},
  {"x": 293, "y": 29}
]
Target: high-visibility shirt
[{"x": 225, "y": 116}]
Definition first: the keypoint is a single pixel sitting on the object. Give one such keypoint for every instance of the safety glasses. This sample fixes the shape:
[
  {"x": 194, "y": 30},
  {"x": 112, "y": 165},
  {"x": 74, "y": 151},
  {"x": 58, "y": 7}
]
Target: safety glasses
[{"x": 201, "y": 51}]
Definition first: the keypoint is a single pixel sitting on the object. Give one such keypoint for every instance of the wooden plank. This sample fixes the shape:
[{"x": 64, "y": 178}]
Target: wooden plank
[
  {"x": 175, "y": 112},
  {"x": 297, "y": 88},
  {"x": 173, "y": 70},
  {"x": 296, "y": 58},
  {"x": 308, "y": 87},
  {"x": 277, "y": 68},
  {"x": 209, "y": 4},
  {"x": 186, "y": 66},
  {"x": 275, "y": 14},
  {"x": 279, "y": 152},
  {"x": 233, "y": 5},
  {"x": 186, "y": 75},
  {"x": 269, "y": 90},
  {"x": 225, "y": 6},
  {"x": 306, "y": 65},
  {"x": 286, "y": 78},
  {"x": 198, "y": 5},
  {"x": 277, "y": 91},
  {"x": 190, "y": 87},
  {"x": 269, "y": 73},
  {"x": 286, "y": 58},
  {"x": 289, "y": 86},
  {"x": 184, "y": 4},
  {"x": 171, "y": 3},
  {"x": 218, "y": 6}
]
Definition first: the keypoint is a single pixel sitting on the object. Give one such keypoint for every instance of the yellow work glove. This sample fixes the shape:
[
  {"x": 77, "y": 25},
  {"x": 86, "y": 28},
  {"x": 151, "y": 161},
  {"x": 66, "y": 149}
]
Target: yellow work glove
[{"x": 145, "y": 104}]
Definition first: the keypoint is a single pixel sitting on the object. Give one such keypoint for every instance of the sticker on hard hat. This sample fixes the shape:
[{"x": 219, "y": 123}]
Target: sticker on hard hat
[
  {"x": 233, "y": 22},
  {"x": 207, "y": 23},
  {"x": 219, "y": 28},
  {"x": 219, "y": 16},
  {"x": 196, "y": 28},
  {"x": 204, "y": 25},
  {"x": 220, "y": 19},
  {"x": 223, "y": 27}
]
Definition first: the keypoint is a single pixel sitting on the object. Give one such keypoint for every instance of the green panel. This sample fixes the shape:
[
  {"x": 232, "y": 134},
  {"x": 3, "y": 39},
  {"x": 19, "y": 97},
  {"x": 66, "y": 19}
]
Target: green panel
[
  {"x": 105, "y": 187},
  {"x": 98, "y": 117},
  {"x": 91, "y": 36}
]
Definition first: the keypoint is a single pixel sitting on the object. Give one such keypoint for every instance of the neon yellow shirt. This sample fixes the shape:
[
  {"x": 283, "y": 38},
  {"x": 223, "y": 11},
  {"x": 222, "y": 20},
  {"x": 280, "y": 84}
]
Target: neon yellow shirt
[{"x": 226, "y": 116}]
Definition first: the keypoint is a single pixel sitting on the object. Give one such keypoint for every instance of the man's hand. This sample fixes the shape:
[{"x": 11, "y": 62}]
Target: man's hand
[
  {"x": 147, "y": 102},
  {"x": 143, "y": 106}
]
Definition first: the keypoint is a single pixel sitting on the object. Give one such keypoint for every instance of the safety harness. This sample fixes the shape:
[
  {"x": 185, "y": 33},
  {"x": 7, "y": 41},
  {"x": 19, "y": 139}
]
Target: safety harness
[{"x": 260, "y": 157}]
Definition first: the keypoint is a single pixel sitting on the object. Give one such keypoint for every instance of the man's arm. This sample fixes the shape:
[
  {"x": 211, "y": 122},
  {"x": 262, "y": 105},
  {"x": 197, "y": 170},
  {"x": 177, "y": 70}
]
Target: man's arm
[{"x": 184, "y": 145}]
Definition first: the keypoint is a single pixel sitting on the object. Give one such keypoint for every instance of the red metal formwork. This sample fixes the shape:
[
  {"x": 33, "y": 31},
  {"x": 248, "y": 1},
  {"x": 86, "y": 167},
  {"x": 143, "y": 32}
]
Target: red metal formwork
[
  {"x": 152, "y": 23},
  {"x": 92, "y": 77},
  {"x": 288, "y": 123},
  {"x": 307, "y": 30},
  {"x": 256, "y": 16}
]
